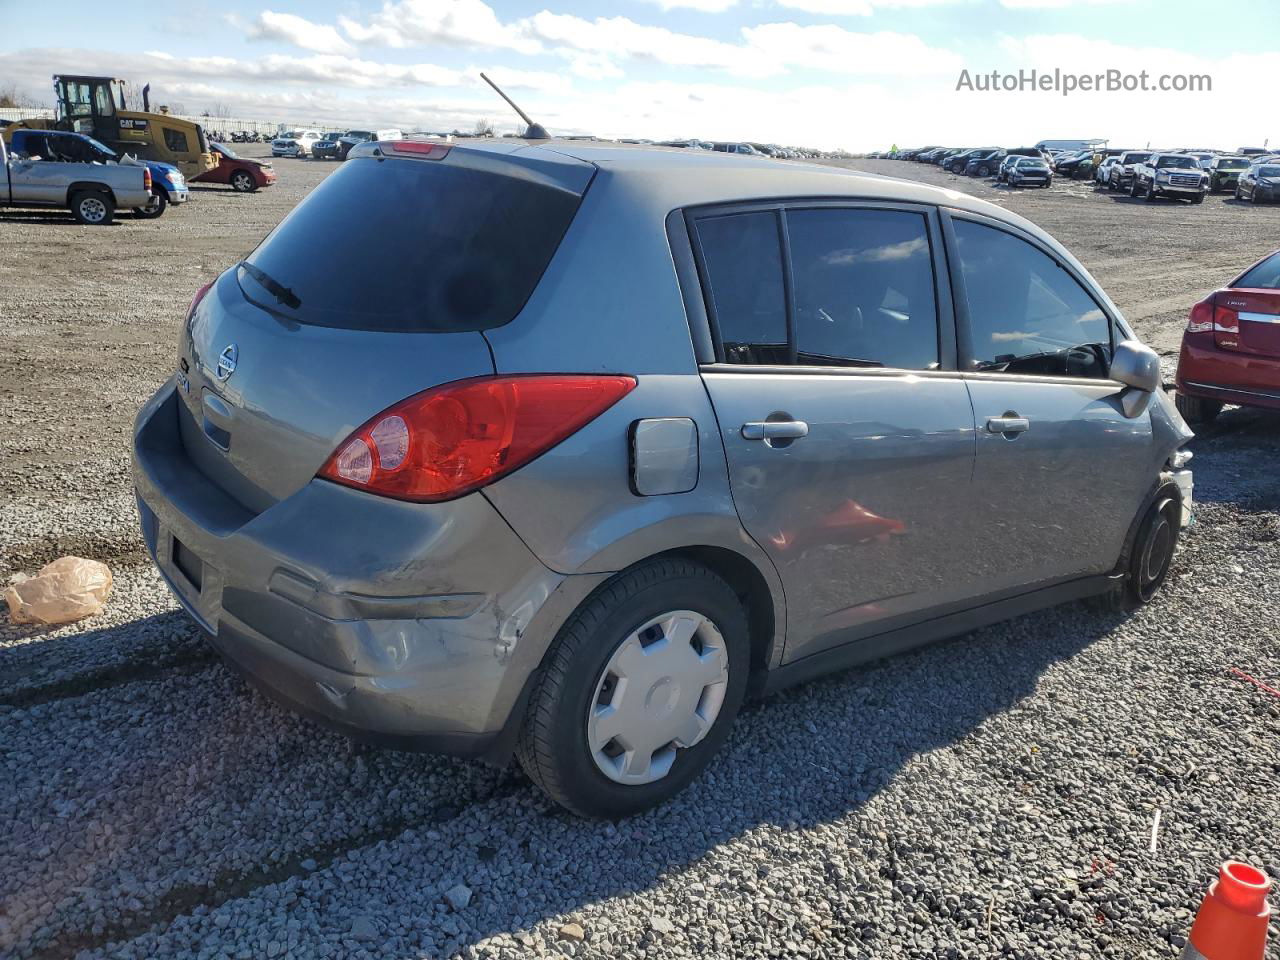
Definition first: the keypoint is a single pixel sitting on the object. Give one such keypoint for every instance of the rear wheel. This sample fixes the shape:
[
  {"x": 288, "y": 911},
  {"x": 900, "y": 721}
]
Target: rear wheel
[
  {"x": 93, "y": 207},
  {"x": 638, "y": 692},
  {"x": 1197, "y": 409},
  {"x": 243, "y": 182},
  {"x": 157, "y": 206}
]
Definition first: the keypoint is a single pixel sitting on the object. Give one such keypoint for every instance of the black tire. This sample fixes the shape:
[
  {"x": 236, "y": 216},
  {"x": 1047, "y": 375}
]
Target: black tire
[
  {"x": 1198, "y": 198},
  {"x": 242, "y": 182},
  {"x": 1238, "y": 197},
  {"x": 552, "y": 746},
  {"x": 1253, "y": 196},
  {"x": 159, "y": 203},
  {"x": 1153, "y": 548},
  {"x": 1133, "y": 188},
  {"x": 984, "y": 171},
  {"x": 1197, "y": 409},
  {"x": 1151, "y": 192},
  {"x": 94, "y": 208}
]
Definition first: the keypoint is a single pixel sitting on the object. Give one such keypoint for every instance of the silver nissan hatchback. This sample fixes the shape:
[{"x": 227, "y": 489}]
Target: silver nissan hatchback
[{"x": 563, "y": 449}]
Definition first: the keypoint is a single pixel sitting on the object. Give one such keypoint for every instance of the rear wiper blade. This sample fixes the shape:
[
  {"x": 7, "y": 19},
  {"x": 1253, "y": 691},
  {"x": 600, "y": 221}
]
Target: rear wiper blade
[{"x": 278, "y": 290}]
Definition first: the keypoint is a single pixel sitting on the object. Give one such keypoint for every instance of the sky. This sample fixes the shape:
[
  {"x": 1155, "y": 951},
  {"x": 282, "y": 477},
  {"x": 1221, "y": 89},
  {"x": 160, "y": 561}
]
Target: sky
[{"x": 853, "y": 74}]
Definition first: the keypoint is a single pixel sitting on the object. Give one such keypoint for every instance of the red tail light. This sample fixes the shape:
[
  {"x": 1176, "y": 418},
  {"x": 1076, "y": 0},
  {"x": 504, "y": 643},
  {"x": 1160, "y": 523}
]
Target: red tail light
[
  {"x": 455, "y": 438},
  {"x": 1226, "y": 328},
  {"x": 146, "y": 177},
  {"x": 195, "y": 301},
  {"x": 1201, "y": 319}
]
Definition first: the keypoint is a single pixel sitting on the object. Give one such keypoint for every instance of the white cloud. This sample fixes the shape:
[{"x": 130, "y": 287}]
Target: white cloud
[
  {"x": 1055, "y": 4},
  {"x": 288, "y": 28},
  {"x": 702, "y": 6},
  {"x": 470, "y": 24},
  {"x": 831, "y": 8},
  {"x": 836, "y": 50}
]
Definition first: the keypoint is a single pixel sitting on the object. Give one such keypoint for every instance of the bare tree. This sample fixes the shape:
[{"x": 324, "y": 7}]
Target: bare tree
[
  {"x": 12, "y": 96},
  {"x": 483, "y": 128}
]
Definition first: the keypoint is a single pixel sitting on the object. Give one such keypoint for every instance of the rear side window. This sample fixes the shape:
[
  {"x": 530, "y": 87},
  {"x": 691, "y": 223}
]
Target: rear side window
[
  {"x": 175, "y": 140},
  {"x": 863, "y": 288},
  {"x": 1265, "y": 276},
  {"x": 742, "y": 259},
  {"x": 411, "y": 245},
  {"x": 1026, "y": 313}
]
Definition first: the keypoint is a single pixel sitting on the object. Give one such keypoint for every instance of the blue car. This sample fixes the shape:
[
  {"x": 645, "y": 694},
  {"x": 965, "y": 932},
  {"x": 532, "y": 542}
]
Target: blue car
[{"x": 167, "y": 183}]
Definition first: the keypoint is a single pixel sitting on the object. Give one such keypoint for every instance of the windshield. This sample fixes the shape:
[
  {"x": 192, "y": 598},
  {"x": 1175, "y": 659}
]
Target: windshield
[
  {"x": 410, "y": 245},
  {"x": 1269, "y": 171},
  {"x": 100, "y": 146},
  {"x": 226, "y": 151},
  {"x": 359, "y": 134},
  {"x": 1180, "y": 162},
  {"x": 1232, "y": 164},
  {"x": 1135, "y": 157},
  {"x": 1032, "y": 165}
]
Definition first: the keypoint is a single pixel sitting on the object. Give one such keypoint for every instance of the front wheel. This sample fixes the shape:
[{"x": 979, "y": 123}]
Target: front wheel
[
  {"x": 638, "y": 692},
  {"x": 93, "y": 208},
  {"x": 243, "y": 182},
  {"x": 156, "y": 206},
  {"x": 1153, "y": 548}
]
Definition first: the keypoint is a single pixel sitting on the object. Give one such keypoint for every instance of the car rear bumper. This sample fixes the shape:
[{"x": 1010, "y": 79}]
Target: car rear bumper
[
  {"x": 417, "y": 624},
  {"x": 1232, "y": 377}
]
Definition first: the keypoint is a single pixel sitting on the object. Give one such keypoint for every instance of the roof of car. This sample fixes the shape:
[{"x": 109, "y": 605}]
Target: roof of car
[{"x": 687, "y": 177}]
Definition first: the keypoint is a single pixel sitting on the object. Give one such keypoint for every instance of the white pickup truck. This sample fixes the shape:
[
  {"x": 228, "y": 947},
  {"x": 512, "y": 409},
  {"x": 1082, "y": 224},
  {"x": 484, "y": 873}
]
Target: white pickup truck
[{"x": 91, "y": 191}]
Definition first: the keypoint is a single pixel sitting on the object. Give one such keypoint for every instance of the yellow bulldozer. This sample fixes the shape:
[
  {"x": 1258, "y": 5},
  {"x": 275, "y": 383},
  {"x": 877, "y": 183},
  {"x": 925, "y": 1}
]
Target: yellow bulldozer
[{"x": 96, "y": 106}]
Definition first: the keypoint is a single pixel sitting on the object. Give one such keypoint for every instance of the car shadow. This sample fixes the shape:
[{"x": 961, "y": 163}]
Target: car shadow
[
  {"x": 813, "y": 755},
  {"x": 56, "y": 217}
]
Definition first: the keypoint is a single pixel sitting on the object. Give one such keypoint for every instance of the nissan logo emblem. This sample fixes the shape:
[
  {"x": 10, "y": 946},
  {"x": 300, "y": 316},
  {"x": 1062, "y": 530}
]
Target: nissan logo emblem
[{"x": 227, "y": 361}]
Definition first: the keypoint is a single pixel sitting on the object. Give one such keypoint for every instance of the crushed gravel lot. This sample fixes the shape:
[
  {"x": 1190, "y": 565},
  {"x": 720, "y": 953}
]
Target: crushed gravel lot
[{"x": 991, "y": 796}]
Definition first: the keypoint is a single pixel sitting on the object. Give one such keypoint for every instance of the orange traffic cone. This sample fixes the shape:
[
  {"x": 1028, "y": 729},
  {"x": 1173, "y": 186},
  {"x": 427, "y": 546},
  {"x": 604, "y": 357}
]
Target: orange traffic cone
[{"x": 1232, "y": 922}]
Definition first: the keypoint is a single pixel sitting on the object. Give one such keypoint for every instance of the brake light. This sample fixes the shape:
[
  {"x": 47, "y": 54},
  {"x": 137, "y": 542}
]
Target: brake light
[
  {"x": 453, "y": 439},
  {"x": 1201, "y": 319},
  {"x": 420, "y": 148},
  {"x": 146, "y": 177},
  {"x": 1226, "y": 328},
  {"x": 195, "y": 301}
]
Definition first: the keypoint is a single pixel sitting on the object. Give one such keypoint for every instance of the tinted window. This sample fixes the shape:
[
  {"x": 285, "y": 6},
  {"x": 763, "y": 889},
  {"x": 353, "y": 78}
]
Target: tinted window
[
  {"x": 1027, "y": 314},
  {"x": 863, "y": 288},
  {"x": 742, "y": 258},
  {"x": 1265, "y": 275},
  {"x": 1179, "y": 162},
  {"x": 394, "y": 244},
  {"x": 175, "y": 140},
  {"x": 1269, "y": 171}
]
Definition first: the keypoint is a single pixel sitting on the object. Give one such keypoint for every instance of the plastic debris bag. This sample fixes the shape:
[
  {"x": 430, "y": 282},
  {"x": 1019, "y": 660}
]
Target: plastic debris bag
[{"x": 66, "y": 590}]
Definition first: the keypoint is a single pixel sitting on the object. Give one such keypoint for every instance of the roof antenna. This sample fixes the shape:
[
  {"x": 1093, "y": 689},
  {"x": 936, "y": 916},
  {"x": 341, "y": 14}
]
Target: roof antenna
[{"x": 533, "y": 131}]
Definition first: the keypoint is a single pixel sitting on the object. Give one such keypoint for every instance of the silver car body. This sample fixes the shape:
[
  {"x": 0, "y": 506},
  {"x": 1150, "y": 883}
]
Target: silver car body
[{"x": 900, "y": 517}]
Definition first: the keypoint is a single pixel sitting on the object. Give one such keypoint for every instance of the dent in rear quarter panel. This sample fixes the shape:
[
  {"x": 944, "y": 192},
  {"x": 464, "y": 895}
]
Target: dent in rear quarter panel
[{"x": 610, "y": 303}]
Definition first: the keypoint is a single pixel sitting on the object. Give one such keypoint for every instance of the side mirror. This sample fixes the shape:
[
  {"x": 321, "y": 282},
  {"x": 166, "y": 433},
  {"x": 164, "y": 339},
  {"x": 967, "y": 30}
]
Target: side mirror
[{"x": 1137, "y": 366}]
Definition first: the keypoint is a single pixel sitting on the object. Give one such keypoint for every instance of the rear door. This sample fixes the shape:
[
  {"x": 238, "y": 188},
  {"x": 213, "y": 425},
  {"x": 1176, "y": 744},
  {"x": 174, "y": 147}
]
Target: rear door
[
  {"x": 847, "y": 429},
  {"x": 1060, "y": 471}
]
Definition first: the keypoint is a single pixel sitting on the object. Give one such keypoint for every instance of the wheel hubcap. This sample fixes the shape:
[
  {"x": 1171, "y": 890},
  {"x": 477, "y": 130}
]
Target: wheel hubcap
[
  {"x": 93, "y": 209},
  {"x": 660, "y": 692}
]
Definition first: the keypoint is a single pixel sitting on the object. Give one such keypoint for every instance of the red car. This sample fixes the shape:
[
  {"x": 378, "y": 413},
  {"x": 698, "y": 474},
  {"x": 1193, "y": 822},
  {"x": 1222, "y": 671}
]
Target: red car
[
  {"x": 242, "y": 173},
  {"x": 1231, "y": 347}
]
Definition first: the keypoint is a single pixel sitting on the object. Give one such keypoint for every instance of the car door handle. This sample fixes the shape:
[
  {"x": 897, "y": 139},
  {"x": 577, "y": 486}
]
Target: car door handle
[
  {"x": 775, "y": 430},
  {"x": 1008, "y": 424}
]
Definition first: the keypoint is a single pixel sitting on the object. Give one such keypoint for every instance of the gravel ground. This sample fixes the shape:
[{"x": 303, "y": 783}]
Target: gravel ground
[{"x": 989, "y": 796}]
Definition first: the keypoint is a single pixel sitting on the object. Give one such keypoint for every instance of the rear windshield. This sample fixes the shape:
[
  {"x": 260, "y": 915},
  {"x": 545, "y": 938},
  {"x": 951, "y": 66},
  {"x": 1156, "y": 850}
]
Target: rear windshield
[
  {"x": 1265, "y": 276},
  {"x": 410, "y": 245}
]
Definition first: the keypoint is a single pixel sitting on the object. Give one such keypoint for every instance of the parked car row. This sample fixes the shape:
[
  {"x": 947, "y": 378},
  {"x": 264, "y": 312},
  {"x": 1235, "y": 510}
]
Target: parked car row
[
  {"x": 1251, "y": 174},
  {"x": 74, "y": 171}
]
